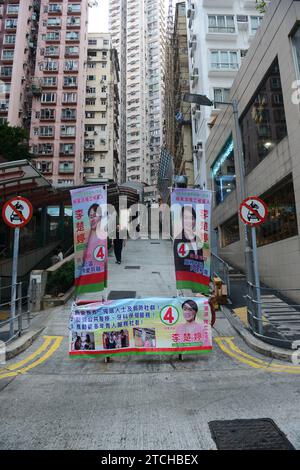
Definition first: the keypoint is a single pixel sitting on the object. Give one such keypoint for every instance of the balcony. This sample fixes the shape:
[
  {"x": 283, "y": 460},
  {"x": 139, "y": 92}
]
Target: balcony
[
  {"x": 217, "y": 33},
  {"x": 68, "y": 115},
  {"x": 73, "y": 22},
  {"x": 225, "y": 69},
  {"x": 222, "y": 3},
  {"x": 73, "y": 10},
  {"x": 54, "y": 9}
]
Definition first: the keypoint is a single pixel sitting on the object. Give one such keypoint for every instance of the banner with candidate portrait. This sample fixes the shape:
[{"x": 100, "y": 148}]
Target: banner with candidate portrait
[
  {"x": 141, "y": 326},
  {"x": 90, "y": 238},
  {"x": 191, "y": 213}
]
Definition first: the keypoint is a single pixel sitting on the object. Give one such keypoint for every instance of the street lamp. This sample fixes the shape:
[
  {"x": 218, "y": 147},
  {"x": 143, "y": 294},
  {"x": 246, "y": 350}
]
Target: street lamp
[{"x": 205, "y": 101}]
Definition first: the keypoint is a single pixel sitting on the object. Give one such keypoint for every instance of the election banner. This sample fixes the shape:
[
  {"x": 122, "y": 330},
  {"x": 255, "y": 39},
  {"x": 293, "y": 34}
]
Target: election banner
[
  {"x": 90, "y": 238},
  {"x": 141, "y": 326},
  {"x": 191, "y": 212}
]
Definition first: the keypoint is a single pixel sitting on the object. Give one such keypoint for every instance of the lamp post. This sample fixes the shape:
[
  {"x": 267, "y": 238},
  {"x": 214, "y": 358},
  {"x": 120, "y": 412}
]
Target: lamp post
[{"x": 205, "y": 101}]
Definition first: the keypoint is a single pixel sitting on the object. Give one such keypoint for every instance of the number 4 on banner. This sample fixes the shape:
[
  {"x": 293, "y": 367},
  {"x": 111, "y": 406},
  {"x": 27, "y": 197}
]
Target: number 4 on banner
[
  {"x": 169, "y": 315},
  {"x": 99, "y": 253}
]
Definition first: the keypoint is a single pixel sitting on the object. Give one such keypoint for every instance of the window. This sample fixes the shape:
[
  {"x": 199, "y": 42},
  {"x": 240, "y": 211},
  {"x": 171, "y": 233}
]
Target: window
[
  {"x": 221, "y": 95},
  {"x": 48, "y": 98},
  {"x": 263, "y": 124},
  {"x": 69, "y": 131},
  {"x": 73, "y": 21},
  {"x": 72, "y": 36},
  {"x": 7, "y": 54},
  {"x": 255, "y": 23},
  {"x": 9, "y": 39},
  {"x": 12, "y": 9},
  {"x": 66, "y": 167},
  {"x": 70, "y": 81},
  {"x": 71, "y": 65},
  {"x": 230, "y": 232},
  {"x": 45, "y": 149},
  {"x": 69, "y": 97},
  {"x": 67, "y": 149},
  {"x": 72, "y": 50},
  {"x": 223, "y": 172},
  {"x": 92, "y": 42},
  {"x": 47, "y": 113},
  {"x": 51, "y": 36},
  {"x": 221, "y": 24},
  {"x": 49, "y": 81},
  {"x": 281, "y": 221},
  {"x": 46, "y": 131},
  {"x": 74, "y": 8},
  {"x": 224, "y": 60},
  {"x": 88, "y": 169}
]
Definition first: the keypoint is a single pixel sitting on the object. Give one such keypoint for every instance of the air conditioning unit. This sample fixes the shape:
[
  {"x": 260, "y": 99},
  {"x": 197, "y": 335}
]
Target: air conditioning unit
[
  {"x": 191, "y": 12},
  {"x": 242, "y": 21},
  {"x": 242, "y": 18}
]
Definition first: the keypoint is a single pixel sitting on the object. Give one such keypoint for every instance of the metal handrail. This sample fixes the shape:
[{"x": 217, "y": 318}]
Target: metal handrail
[{"x": 222, "y": 273}]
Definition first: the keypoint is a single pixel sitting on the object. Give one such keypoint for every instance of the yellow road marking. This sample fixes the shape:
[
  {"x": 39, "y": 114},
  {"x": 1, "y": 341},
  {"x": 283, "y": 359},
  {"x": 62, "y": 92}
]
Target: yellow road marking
[
  {"x": 56, "y": 342},
  {"x": 233, "y": 351},
  {"x": 41, "y": 349}
]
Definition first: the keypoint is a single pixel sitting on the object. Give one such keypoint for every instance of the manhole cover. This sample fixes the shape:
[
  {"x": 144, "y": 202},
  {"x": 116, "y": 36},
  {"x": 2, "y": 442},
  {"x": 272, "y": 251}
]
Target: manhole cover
[
  {"x": 249, "y": 434},
  {"x": 121, "y": 294},
  {"x": 132, "y": 267}
]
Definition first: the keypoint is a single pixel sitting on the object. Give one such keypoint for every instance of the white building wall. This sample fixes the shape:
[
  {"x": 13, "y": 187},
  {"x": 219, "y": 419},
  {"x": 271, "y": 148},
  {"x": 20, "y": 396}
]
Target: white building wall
[{"x": 202, "y": 41}]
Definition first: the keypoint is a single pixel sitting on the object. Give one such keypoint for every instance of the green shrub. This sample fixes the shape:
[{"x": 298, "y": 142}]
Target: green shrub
[{"x": 61, "y": 280}]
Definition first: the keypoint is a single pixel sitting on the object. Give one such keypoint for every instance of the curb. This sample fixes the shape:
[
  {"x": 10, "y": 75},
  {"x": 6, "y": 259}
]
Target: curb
[
  {"x": 255, "y": 343},
  {"x": 22, "y": 343}
]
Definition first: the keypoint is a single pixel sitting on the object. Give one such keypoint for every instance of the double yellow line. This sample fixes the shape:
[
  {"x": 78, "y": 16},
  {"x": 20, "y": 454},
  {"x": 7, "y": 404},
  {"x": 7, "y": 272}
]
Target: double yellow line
[
  {"x": 227, "y": 345},
  {"x": 49, "y": 346}
]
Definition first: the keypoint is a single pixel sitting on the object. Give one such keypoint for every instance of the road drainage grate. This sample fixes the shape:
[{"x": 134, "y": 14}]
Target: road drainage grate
[
  {"x": 249, "y": 434},
  {"x": 132, "y": 267},
  {"x": 121, "y": 294},
  {"x": 154, "y": 243}
]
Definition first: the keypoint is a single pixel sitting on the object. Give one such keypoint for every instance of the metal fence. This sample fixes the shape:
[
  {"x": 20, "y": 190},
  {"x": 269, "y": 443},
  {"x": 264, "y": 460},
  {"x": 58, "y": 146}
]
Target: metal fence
[
  {"x": 220, "y": 268},
  {"x": 12, "y": 326},
  {"x": 273, "y": 316}
]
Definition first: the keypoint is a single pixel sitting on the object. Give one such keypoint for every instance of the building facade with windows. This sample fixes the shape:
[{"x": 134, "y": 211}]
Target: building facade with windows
[
  {"x": 58, "y": 106},
  {"x": 219, "y": 34},
  {"x": 143, "y": 34},
  {"x": 18, "y": 37},
  {"x": 267, "y": 90},
  {"x": 101, "y": 133},
  {"x": 117, "y": 28}
]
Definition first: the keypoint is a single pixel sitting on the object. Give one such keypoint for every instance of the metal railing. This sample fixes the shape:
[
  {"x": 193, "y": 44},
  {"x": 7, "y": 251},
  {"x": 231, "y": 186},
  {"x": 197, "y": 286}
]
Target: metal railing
[
  {"x": 12, "y": 327},
  {"x": 272, "y": 315},
  {"x": 220, "y": 268}
]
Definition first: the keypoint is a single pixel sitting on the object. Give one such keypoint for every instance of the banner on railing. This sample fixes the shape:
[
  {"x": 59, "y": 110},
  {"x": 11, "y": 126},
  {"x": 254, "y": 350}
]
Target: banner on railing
[
  {"x": 90, "y": 238},
  {"x": 191, "y": 212},
  {"x": 141, "y": 326}
]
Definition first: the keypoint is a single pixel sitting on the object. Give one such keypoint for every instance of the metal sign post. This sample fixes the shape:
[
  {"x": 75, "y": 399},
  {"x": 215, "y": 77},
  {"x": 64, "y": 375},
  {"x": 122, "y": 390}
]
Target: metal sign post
[
  {"x": 253, "y": 211},
  {"x": 16, "y": 213},
  {"x": 14, "y": 282},
  {"x": 256, "y": 279}
]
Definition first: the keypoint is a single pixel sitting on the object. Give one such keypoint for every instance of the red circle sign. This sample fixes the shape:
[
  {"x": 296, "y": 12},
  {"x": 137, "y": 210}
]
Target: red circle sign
[
  {"x": 17, "y": 212},
  {"x": 253, "y": 211}
]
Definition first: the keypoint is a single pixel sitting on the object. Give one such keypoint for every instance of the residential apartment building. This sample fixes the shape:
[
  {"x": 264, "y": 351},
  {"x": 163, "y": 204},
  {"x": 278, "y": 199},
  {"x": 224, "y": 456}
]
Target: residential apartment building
[
  {"x": 183, "y": 156},
  {"x": 117, "y": 27},
  {"x": 18, "y": 37},
  {"x": 58, "y": 106},
  {"x": 143, "y": 35},
  {"x": 267, "y": 90},
  {"x": 219, "y": 33},
  {"x": 101, "y": 133}
]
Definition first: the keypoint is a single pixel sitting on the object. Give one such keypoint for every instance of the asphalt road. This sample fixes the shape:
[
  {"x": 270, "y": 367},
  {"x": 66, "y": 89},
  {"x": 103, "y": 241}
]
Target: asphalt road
[{"x": 143, "y": 402}]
